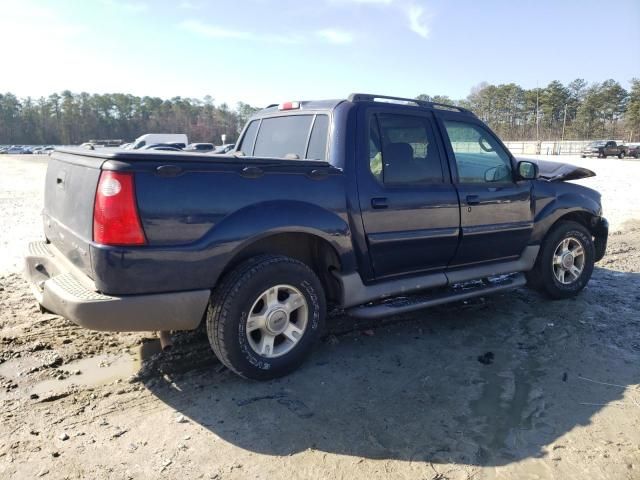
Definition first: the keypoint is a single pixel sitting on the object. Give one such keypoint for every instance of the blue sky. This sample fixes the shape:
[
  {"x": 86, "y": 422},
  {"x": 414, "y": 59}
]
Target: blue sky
[{"x": 261, "y": 51}]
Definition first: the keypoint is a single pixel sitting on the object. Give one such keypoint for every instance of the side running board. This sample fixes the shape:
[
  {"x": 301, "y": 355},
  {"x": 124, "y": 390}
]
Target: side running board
[{"x": 418, "y": 301}]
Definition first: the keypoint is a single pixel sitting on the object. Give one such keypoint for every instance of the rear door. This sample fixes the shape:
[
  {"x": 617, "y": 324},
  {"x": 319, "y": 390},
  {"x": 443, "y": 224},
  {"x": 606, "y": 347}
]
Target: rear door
[
  {"x": 496, "y": 211},
  {"x": 409, "y": 207}
]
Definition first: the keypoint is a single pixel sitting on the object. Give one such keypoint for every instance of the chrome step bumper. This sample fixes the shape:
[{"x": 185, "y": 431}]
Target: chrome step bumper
[{"x": 61, "y": 288}]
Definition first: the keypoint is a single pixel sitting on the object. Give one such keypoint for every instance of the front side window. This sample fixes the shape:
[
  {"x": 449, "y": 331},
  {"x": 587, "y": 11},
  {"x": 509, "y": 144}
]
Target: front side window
[
  {"x": 402, "y": 150},
  {"x": 479, "y": 157}
]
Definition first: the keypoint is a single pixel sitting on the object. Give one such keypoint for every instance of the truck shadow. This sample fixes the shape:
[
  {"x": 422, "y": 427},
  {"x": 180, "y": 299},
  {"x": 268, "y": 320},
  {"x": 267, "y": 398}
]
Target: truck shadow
[{"x": 487, "y": 382}]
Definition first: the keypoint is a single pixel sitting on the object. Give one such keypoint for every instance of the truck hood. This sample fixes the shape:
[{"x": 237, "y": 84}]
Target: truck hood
[{"x": 560, "y": 172}]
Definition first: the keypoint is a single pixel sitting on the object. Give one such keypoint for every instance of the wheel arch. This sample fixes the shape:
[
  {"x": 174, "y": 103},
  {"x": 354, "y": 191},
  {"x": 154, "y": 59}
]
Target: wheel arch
[
  {"x": 310, "y": 248},
  {"x": 568, "y": 206}
]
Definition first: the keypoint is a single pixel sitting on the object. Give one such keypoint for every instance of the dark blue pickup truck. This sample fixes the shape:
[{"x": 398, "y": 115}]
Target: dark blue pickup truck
[{"x": 378, "y": 205}]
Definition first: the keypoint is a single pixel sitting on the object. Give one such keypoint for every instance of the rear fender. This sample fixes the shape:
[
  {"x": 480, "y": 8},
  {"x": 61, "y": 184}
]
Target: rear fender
[{"x": 255, "y": 222}]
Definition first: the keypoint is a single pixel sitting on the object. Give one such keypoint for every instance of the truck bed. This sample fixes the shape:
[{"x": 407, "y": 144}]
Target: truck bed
[{"x": 194, "y": 208}]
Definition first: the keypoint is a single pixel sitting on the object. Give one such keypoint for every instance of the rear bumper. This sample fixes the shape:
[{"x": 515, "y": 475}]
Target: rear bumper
[
  {"x": 601, "y": 235},
  {"x": 61, "y": 288}
]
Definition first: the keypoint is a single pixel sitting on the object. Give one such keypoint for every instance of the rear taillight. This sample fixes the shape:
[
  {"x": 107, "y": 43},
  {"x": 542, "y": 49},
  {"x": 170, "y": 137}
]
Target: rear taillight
[{"x": 115, "y": 212}]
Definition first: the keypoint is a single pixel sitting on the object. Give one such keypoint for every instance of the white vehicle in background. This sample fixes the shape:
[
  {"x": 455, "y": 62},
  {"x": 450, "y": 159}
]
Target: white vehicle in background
[{"x": 156, "y": 138}]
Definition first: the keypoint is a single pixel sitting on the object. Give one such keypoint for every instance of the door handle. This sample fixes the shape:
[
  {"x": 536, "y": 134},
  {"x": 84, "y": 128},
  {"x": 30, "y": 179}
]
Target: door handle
[
  {"x": 379, "y": 203},
  {"x": 251, "y": 172},
  {"x": 473, "y": 200}
]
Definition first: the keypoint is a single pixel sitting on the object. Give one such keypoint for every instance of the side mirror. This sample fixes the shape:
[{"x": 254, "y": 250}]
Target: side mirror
[{"x": 527, "y": 170}]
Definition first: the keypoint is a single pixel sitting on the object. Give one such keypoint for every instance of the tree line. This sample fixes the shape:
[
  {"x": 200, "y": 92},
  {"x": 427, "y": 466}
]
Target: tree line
[
  {"x": 68, "y": 118},
  {"x": 578, "y": 110}
]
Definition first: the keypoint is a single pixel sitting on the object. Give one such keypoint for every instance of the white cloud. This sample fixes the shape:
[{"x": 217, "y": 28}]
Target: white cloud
[
  {"x": 366, "y": 2},
  {"x": 130, "y": 7},
  {"x": 187, "y": 5},
  {"x": 212, "y": 31},
  {"x": 418, "y": 20},
  {"x": 417, "y": 15},
  {"x": 337, "y": 37}
]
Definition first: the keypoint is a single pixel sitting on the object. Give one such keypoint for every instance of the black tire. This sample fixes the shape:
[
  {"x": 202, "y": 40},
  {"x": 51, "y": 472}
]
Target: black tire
[
  {"x": 603, "y": 155},
  {"x": 621, "y": 155},
  {"x": 543, "y": 278},
  {"x": 234, "y": 297}
]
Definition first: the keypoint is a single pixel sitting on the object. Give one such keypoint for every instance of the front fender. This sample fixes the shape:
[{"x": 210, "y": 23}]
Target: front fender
[{"x": 563, "y": 204}]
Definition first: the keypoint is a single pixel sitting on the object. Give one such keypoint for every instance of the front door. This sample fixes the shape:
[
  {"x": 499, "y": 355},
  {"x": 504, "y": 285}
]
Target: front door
[
  {"x": 409, "y": 207},
  {"x": 496, "y": 213}
]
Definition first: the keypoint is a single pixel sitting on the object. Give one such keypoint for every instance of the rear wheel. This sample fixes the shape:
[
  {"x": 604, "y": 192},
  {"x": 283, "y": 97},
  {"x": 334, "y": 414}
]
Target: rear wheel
[
  {"x": 565, "y": 262},
  {"x": 265, "y": 315}
]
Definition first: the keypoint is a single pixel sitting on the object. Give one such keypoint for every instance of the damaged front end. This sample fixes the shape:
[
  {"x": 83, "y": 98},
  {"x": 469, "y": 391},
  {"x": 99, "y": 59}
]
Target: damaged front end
[{"x": 560, "y": 172}]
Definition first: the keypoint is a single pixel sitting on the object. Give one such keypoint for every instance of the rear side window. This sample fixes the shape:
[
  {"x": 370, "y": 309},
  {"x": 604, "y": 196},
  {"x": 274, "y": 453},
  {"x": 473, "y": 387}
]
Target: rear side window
[
  {"x": 403, "y": 151},
  {"x": 249, "y": 138},
  {"x": 293, "y": 137},
  {"x": 283, "y": 137},
  {"x": 317, "y": 149}
]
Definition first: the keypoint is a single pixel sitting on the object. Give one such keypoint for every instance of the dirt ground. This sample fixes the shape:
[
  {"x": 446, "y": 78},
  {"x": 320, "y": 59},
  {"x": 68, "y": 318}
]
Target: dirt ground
[{"x": 507, "y": 386}]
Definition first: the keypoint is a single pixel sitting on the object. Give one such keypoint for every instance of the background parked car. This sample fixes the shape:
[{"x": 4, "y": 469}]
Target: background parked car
[
  {"x": 15, "y": 150},
  {"x": 633, "y": 150},
  {"x": 226, "y": 148},
  {"x": 604, "y": 149},
  {"x": 200, "y": 147},
  {"x": 167, "y": 148},
  {"x": 173, "y": 146}
]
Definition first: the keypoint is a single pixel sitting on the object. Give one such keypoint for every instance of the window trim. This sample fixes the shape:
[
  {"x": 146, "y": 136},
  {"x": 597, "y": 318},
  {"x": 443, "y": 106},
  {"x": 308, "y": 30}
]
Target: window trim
[{"x": 431, "y": 123}]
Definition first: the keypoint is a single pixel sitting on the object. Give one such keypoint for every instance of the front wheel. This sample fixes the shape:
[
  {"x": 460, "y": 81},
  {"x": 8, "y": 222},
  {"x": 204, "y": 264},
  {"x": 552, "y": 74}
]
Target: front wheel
[
  {"x": 565, "y": 262},
  {"x": 265, "y": 315},
  {"x": 621, "y": 155}
]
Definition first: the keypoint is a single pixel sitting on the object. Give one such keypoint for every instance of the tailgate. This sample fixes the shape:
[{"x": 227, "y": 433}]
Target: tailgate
[{"x": 70, "y": 188}]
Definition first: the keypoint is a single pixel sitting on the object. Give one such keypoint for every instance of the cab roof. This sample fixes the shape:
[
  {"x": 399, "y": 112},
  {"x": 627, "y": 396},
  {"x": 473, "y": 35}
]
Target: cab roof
[{"x": 315, "y": 105}]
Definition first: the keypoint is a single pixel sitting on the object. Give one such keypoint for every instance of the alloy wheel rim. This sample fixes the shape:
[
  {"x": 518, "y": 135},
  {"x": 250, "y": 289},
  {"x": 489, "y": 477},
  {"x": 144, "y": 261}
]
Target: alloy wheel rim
[
  {"x": 568, "y": 260},
  {"x": 277, "y": 321}
]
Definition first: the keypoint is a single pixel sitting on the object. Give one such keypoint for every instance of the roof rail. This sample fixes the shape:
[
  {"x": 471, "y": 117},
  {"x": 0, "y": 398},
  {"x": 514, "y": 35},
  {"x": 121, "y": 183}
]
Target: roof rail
[{"x": 369, "y": 97}]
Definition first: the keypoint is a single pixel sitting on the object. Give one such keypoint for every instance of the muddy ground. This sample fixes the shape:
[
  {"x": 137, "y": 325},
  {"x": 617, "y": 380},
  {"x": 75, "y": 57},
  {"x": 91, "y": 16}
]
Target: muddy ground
[{"x": 507, "y": 386}]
